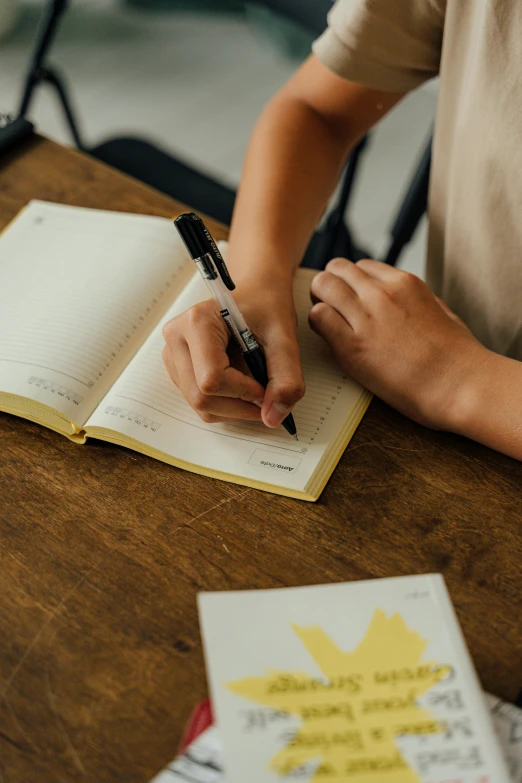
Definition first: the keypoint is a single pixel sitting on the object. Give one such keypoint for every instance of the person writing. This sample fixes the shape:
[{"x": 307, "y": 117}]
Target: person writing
[{"x": 452, "y": 363}]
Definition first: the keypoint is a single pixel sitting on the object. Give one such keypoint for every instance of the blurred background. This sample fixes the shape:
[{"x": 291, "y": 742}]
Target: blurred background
[{"x": 192, "y": 76}]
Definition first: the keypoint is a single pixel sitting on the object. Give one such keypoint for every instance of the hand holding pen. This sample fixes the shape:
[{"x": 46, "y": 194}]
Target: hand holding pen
[{"x": 196, "y": 351}]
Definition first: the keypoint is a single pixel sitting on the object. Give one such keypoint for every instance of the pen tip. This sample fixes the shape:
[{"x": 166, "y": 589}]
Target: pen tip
[{"x": 295, "y": 436}]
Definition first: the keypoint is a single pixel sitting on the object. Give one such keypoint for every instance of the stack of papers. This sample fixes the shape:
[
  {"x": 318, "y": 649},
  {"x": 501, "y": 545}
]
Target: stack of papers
[{"x": 366, "y": 682}]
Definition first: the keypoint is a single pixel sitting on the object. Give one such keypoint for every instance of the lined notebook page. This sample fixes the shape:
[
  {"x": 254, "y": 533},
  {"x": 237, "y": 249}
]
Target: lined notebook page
[
  {"x": 145, "y": 405},
  {"x": 80, "y": 290}
]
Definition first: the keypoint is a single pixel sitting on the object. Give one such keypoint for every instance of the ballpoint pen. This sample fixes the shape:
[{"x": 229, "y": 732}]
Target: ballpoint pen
[{"x": 204, "y": 251}]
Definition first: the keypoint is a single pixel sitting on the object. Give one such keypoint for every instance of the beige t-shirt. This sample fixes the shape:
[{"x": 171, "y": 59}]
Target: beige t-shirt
[{"x": 475, "y": 244}]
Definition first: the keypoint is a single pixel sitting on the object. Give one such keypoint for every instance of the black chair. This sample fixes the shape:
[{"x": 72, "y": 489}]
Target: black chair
[
  {"x": 413, "y": 207},
  {"x": 156, "y": 167}
]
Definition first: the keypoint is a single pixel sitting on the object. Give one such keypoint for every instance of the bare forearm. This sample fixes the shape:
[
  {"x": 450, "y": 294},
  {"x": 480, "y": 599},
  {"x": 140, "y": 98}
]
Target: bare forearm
[
  {"x": 490, "y": 410},
  {"x": 295, "y": 156},
  {"x": 291, "y": 169}
]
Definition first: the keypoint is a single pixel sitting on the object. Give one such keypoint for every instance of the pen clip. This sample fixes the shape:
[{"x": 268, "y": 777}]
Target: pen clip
[
  {"x": 219, "y": 261},
  {"x": 199, "y": 243}
]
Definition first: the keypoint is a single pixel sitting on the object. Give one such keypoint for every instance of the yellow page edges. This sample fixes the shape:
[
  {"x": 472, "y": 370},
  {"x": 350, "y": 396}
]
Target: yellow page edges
[
  {"x": 41, "y": 414},
  {"x": 337, "y": 447},
  {"x": 312, "y": 490},
  {"x": 111, "y": 437}
]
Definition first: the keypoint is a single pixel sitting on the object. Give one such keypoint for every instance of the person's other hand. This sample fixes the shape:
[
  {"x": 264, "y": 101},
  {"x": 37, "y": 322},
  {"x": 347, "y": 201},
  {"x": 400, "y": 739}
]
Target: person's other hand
[{"x": 389, "y": 332}]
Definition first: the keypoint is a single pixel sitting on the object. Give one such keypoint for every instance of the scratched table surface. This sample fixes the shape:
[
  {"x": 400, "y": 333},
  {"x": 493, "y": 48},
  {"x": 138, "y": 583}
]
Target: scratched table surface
[{"x": 103, "y": 551}]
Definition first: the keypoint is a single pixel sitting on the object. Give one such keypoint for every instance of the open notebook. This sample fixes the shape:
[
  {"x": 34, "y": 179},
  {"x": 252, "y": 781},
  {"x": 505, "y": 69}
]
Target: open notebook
[{"x": 83, "y": 296}]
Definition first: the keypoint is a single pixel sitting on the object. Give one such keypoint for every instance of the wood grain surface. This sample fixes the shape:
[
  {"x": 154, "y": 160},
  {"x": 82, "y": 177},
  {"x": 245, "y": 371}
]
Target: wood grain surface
[{"x": 102, "y": 551}]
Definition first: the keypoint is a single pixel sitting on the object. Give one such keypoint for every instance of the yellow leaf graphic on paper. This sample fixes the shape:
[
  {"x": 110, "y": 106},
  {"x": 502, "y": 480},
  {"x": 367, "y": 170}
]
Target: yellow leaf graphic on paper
[{"x": 351, "y": 715}]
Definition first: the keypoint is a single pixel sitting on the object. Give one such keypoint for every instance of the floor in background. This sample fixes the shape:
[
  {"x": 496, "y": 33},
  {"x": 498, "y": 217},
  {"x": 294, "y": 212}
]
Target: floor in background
[{"x": 195, "y": 84}]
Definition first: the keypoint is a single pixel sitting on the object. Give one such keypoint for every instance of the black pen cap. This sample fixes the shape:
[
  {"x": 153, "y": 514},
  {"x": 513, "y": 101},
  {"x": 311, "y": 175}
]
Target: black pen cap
[
  {"x": 199, "y": 242},
  {"x": 190, "y": 229}
]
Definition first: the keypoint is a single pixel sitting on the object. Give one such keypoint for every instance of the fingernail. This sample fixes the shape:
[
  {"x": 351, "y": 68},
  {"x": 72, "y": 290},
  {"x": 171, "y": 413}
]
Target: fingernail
[{"x": 276, "y": 413}]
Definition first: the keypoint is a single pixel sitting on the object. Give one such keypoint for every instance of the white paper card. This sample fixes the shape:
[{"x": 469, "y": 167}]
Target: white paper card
[{"x": 367, "y": 682}]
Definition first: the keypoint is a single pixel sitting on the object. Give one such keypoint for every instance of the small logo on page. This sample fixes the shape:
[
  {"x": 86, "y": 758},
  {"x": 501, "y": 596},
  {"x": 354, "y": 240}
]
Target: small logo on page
[{"x": 274, "y": 461}]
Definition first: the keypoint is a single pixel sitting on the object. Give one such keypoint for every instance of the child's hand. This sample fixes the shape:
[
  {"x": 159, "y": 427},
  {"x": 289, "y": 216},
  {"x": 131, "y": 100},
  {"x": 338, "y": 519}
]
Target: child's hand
[
  {"x": 197, "y": 358},
  {"x": 390, "y": 333}
]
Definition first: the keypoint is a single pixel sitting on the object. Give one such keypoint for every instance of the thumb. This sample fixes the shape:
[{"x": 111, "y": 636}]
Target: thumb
[{"x": 285, "y": 380}]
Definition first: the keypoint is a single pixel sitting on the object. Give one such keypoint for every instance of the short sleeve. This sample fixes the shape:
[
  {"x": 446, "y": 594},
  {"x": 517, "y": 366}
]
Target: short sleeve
[{"x": 391, "y": 45}]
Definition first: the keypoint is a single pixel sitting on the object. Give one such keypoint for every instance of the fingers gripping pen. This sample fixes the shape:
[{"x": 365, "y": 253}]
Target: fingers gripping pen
[{"x": 204, "y": 252}]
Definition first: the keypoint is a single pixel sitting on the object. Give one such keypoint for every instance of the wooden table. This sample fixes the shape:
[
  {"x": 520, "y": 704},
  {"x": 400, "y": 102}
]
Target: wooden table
[{"x": 103, "y": 551}]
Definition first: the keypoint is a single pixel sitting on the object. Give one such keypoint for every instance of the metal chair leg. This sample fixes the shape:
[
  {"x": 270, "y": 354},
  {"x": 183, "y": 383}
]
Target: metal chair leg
[
  {"x": 336, "y": 227},
  {"x": 412, "y": 209},
  {"x": 38, "y": 72},
  {"x": 52, "y": 14},
  {"x": 52, "y": 77}
]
